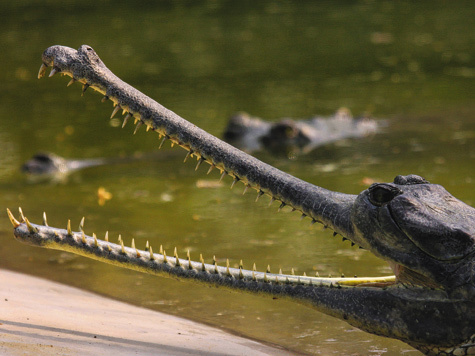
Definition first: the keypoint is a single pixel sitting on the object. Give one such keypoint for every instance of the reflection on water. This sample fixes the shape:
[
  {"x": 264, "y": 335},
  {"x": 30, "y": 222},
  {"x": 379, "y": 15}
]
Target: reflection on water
[{"x": 411, "y": 63}]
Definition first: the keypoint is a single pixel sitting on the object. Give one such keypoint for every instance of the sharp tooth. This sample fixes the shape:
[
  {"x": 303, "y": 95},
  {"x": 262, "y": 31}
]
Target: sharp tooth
[
  {"x": 45, "y": 222},
  {"x": 161, "y": 143},
  {"x": 188, "y": 154},
  {"x": 71, "y": 82},
  {"x": 81, "y": 224},
  {"x": 188, "y": 257},
  {"x": 31, "y": 228},
  {"x": 201, "y": 160},
  {"x": 53, "y": 72},
  {"x": 272, "y": 199},
  {"x": 14, "y": 221},
  {"x": 140, "y": 123},
  {"x": 21, "y": 214},
  {"x": 42, "y": 71},
  {"x": 126, "y": 118},
  {"x": 116, "y": 109},
  {"x": 136, "y": 251},
  {"x": 68, "y": 228},
  {"x": 177, "y": 260},
  {"x": 203, "y": 267},
  {"x": 260, "y": 193},
  {"x": 84, "y": 88},
  {"x": 210, "y": 168},
  {"x": 222, "y": 175}
]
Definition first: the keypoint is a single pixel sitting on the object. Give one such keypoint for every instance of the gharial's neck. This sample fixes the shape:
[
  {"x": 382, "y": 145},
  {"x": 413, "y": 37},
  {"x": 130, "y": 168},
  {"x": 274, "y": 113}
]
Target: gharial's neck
[{"x": 330, "y": 208}]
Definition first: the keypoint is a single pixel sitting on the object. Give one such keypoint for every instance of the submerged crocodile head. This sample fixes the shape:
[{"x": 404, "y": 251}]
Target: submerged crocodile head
[
  {"x": 45, "y": 163},
  {"x": 426, "y": 234},
  {"x": 292, "y": 137}
]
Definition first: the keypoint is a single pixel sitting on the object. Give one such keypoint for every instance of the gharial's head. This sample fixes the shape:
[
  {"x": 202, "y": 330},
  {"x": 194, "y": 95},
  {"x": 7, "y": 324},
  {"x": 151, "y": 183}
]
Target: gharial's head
[{"x": 426, "y": 234}]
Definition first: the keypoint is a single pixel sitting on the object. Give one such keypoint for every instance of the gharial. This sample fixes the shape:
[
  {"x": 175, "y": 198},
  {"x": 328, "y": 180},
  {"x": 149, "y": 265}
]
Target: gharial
[{"x": 426, "y": 234}]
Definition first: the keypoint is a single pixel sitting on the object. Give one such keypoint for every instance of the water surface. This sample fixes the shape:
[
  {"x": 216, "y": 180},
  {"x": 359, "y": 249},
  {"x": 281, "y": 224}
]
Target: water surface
[{"x": 410, "y": 64}]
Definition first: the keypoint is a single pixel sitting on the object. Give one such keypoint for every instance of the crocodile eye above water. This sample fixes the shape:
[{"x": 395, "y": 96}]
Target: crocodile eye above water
[{"x": 380, "y": 194}]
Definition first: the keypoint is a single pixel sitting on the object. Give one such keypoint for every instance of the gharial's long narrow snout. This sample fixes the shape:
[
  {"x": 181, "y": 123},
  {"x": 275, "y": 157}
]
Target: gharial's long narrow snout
[{"x": 332, "y": 209}]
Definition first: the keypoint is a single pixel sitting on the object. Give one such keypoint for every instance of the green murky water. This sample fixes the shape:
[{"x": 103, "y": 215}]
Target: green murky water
[{"x": 409, "y": 63}]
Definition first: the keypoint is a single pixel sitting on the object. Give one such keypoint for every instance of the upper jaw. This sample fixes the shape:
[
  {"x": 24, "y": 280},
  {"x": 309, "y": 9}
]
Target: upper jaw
[
  {"x": 60, "y": 58},
  {"x": 80, "y": 64}
]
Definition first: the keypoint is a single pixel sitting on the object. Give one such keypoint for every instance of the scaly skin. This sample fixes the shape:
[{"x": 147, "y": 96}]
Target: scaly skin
[{"x": 426, "y": 234}]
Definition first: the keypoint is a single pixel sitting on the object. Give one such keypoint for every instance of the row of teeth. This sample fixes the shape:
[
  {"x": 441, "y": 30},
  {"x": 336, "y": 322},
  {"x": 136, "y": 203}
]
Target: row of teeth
[
  {"x": 138, "y": 122},
  {"x": 175, "y": 261}
]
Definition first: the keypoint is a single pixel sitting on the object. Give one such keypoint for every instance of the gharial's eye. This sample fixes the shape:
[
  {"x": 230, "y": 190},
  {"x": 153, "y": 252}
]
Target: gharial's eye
[{"x": 380, "y": 194}]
